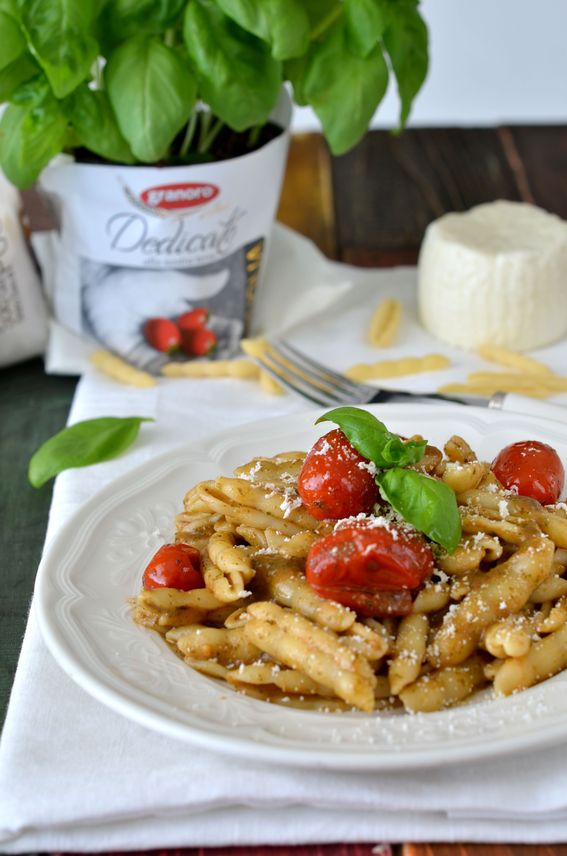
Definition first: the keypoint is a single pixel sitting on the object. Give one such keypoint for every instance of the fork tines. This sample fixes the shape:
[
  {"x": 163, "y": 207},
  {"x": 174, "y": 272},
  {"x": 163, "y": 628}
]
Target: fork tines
[{"x": 308, "y": 378}]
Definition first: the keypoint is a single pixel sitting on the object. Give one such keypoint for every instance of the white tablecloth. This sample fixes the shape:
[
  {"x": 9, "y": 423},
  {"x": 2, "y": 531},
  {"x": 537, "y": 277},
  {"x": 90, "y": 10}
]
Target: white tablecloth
[{"x": 74, "y": 775}]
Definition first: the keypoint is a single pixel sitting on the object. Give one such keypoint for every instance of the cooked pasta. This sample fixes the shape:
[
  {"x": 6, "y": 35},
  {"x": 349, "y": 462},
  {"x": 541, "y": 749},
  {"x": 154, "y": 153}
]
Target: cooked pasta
[{"x": 493, "y": 613}]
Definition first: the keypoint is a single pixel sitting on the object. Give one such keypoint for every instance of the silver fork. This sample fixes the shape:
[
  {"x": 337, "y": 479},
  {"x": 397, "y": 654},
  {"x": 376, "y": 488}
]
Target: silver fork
[{"x": 311, "y": 380}]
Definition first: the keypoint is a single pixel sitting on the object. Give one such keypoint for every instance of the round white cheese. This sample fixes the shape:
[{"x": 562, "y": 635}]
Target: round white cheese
[{"x": 495, "y": 274}]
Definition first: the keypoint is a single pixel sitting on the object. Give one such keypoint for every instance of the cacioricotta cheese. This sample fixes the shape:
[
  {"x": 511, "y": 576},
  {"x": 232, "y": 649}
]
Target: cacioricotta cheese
[{"x": 495, "y": 274}]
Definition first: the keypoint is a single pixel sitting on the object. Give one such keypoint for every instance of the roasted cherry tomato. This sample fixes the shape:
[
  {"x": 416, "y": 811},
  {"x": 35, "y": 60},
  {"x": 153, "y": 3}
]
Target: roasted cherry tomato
[
  {"x": 370, "y": 567},
  {"x": 199, "y": 343},
  {"x": 194, "y": 319},
  {"x": 174, "y": 566},
  {"x": 335, "y": 481},
  {"x": 532, "y": 469},
  {"x": 162, "y": 334}
]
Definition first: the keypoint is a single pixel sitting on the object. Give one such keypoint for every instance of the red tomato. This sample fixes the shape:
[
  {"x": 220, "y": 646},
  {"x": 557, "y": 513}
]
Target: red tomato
[
  {"x": 162, "y": 334},
  {"x": 199, "y": 343},
  {"x": 335, "y": 480},
  {"x": 194, "y": 319},
  {"x": 174, "y": 566},
  {"x": 370, "y": 568},
  {"x": 532, "y": 469}
]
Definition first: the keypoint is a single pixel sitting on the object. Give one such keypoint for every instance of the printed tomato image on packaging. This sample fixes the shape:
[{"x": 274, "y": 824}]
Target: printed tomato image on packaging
[{"x": 143, "y": 249}]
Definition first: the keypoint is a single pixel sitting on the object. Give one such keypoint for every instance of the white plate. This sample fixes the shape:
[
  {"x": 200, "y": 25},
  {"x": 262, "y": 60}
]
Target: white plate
[{"x": 95, "y": 564}]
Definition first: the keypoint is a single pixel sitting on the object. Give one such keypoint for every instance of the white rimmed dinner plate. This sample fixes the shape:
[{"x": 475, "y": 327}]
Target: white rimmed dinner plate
[{"x": 95, "y": 564}]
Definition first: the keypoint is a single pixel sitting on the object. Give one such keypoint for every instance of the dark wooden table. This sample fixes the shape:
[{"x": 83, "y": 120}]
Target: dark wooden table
[{"x": 367, "y": 208}]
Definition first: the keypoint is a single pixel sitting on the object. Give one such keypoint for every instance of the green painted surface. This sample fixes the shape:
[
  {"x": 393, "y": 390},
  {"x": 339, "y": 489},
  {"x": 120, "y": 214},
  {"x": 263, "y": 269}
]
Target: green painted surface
[{"x": 33, "y": 406}]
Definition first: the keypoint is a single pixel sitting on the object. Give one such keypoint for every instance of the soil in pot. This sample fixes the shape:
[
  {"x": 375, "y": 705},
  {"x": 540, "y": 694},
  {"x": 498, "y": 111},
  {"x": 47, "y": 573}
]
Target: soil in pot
[{"x": 227, "y": 144}]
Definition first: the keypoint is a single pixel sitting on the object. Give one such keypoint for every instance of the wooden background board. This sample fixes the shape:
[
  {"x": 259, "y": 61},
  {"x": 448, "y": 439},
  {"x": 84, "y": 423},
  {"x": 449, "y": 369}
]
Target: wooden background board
[
  {"x": 484, "y": 850},
  {"x": 370, "y": 208}
]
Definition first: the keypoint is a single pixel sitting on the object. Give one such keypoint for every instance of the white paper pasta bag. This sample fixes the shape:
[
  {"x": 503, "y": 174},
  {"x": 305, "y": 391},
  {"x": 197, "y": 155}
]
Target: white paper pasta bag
[
  {"x": 23, "y": 313},
  {"x": 142, "y": 244}
]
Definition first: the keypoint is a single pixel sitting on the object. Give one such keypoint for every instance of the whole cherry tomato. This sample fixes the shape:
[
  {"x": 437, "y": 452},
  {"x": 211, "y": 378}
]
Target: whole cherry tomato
[
  {"x": 174, "y": 566},
  {"x": 370, "y": 568},
  {"x": 335, "y": 480},
  {"x": 199, "y": 343},
  {"x": 162, "y": 334},
  {"x": 194, "y": 319},
  {"x": 532, "y": 469}
]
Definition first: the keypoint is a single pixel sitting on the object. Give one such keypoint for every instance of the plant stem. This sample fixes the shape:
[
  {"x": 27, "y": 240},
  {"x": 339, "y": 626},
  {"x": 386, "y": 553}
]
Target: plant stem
[
  {"x": 97, "y": 73},
  {"x": 205, "y": 124},
  {"x": 326, "y": 22},
  {"x": 189, "y": 133},
  {"x": 169, "y": 37},
  {"x": 254, "y": 136},
  {"x": 208, "y": 139}
]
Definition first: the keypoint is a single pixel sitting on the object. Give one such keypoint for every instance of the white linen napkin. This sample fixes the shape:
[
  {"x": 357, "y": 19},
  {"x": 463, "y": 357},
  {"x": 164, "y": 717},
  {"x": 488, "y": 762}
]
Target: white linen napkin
[
  {"x": 326, "y": 304},
  {"x": 75, "y": 776}
]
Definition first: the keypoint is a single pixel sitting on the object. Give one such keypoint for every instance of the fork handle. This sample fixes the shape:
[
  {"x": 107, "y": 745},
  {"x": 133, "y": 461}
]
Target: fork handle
[
  {"x": 507, "y": 402},
  {"x": 512, "y": 403},
  {"x": 383, "y": 395}
]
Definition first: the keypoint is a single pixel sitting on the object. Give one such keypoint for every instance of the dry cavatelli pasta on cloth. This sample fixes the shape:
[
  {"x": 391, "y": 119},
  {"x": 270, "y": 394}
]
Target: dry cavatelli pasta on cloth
[{"x": 293, "y": 596}]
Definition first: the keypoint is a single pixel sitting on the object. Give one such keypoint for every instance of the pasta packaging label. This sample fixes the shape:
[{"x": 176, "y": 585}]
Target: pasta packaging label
[
  {"x": 23, "y": 314},
  {"x": 141, "y": 244}
]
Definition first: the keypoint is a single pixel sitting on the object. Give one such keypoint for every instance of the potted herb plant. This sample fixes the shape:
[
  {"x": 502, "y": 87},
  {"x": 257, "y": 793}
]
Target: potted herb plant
[{"x": 172, "y": 120}]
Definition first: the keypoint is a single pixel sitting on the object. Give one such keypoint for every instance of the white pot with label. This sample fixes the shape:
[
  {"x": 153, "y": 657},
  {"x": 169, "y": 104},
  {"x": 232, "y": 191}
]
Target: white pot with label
[{"x": 145, "y": 242}]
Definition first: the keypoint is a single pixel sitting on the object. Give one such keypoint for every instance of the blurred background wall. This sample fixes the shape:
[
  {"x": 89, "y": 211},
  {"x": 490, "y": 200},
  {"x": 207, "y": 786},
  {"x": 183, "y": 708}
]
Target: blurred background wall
[{"x": 491, "y": 62}]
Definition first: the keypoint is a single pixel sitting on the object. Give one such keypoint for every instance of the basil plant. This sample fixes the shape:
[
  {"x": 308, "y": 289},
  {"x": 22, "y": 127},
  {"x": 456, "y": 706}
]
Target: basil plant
[{"x": 127, "y": 79}]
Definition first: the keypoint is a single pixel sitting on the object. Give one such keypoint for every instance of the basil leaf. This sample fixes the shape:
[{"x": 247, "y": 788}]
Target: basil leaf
[
  {"x": 343, "y": 89},
  {"x": 95, "y": 125},
  {"x": 320, "y": 12},
  {"x": 152, "y": 92},
  {"x": 83, "y": 444},
  {"x": 30, "y": 136},
  {"x": 400, "y": 453},
  {"x": 372, "y": 440},
  {"x": 238, "y": 78},
  {"x": 121, "y": 19},
  {"x": 428, "y": 504},
  {"x": 33, "y": 91},
  {"x": 294, "y": 71},
  {"x": 406, "y": 42},
  {"x": 365, "y": 22},
  {"x": 59, "y": 36},
  {"x": 11, "y": 39},
  {"x": 284, "y": 24},
  {"x": 13, "y": 75}
]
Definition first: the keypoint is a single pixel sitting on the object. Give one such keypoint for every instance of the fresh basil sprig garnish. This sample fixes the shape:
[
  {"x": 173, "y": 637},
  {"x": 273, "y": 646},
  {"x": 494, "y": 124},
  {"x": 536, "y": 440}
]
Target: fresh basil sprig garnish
[
  {"x": 83, "y": 444},
  {"x": 428, "y": 504},
  {"x": 372, "y": 439}
]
